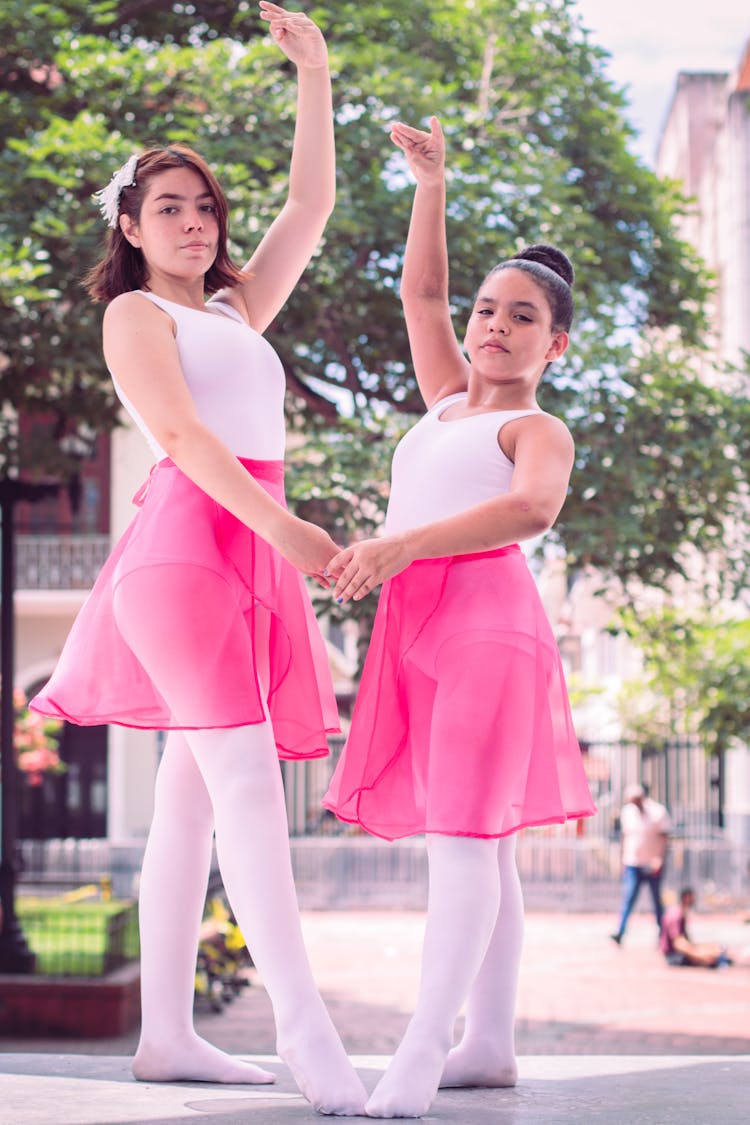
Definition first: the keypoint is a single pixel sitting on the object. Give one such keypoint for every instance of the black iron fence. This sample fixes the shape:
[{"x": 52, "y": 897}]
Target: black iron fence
[
  {"x": 679, "y": 775},
  {"x": 574, "y": 866}
]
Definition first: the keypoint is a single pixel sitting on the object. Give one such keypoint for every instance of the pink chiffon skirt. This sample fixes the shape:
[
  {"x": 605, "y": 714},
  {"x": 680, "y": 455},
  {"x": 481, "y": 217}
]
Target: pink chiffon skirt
[
  {"x": 462, "y": 724},
  {"x": 196, "y": 622}
]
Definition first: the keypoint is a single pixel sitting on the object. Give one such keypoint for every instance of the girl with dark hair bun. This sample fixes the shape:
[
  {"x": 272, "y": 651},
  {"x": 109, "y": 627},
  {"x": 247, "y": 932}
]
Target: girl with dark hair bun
[
  {"x": 200, "y": 623},
  {"x": 550, "y": 257},
  {"x": 462, "y": 728},
  {"x": 553, "y": 272}
]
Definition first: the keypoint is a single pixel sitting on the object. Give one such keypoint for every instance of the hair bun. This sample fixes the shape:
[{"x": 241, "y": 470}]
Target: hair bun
[{"x": 550, "y": 257}]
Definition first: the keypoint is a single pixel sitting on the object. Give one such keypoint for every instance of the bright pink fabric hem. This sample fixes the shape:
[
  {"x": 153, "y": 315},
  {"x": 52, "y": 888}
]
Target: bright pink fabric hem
[
  {"x": 181, "y": 540},
  {"x": 462, "y": 724}
]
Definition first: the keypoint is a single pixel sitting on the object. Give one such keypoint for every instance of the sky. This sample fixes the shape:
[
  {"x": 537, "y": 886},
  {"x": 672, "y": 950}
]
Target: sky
[{"x": 650, "y": 41}]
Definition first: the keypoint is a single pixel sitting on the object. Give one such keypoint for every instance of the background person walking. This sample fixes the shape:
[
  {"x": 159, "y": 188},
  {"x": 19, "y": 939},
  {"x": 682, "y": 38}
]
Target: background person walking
[{"x": 645, "y": 826}]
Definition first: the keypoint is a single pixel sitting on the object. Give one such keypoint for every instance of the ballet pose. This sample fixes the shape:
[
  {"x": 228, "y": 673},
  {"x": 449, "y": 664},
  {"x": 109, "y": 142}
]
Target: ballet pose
[
  {"x": 462, "y": 728},
  {"x": 199, "y": 623}
]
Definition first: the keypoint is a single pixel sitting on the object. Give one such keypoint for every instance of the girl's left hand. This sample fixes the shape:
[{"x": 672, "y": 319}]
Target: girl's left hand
[
  {"x": 360, "y": 568},
  {"x": 299, "y": 38},
  {"x": 425, "y": 152}
]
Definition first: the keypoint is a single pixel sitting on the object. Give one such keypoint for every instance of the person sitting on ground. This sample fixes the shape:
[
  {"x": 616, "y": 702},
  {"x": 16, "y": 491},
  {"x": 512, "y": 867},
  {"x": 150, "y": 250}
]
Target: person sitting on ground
[{"x": 677, "y": 946}]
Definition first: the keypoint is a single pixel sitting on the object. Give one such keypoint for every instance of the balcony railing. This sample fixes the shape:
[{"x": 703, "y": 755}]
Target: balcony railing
[{"x": 59, "y": 562}]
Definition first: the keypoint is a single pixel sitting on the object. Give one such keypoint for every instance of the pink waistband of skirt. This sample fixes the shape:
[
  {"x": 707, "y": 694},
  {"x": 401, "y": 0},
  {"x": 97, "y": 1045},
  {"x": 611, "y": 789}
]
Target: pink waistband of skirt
[
  {"x": 272, "y": 471},
  {"x": 265, "y": 470},
  {"x": 496, "y": 553}
]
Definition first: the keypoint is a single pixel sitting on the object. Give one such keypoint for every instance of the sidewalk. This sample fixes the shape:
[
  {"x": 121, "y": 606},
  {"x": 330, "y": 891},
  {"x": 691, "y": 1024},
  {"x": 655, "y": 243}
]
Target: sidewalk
[
  {"x": 579, "y": 993},
  {"x": 674, "y": 1038},
  {"x": 589, "y": 1090}
]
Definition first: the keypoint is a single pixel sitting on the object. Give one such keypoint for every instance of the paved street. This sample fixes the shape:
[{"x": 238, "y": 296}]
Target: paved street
[
  {"x": 579, "y": 992},
  {"x": 606, "y": 1035},
  {"x": 552, "y": 1090}
]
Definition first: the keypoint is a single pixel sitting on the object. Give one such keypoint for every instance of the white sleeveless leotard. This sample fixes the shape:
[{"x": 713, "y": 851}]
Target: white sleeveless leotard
[
  {"x": 234, "y": 376},
  {"x": 462, "y": 725},
  {"x": 441, "y": 468}
]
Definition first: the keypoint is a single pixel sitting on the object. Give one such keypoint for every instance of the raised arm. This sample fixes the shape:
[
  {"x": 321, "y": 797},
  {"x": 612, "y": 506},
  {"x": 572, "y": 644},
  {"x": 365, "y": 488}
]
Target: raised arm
[
  {"x": 290, "y": 241},
  {"x": 439, "y": 363}
]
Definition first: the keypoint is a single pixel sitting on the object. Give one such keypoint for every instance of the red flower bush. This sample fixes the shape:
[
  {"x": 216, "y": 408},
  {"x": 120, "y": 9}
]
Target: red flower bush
[{"x": 35, "y": 740}]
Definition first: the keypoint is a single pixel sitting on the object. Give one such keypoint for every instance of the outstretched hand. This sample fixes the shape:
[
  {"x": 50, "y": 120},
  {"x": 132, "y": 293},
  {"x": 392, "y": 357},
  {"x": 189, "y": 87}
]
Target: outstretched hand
[
  {"x": 357, "y": 570},
  {"x": 425, "y": 152},
  {"x": 299, "y": 38}
]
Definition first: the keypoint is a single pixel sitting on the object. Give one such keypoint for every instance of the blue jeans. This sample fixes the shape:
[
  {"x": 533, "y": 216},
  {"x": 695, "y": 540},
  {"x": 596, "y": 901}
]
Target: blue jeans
[{"x": 632, "y": 880}]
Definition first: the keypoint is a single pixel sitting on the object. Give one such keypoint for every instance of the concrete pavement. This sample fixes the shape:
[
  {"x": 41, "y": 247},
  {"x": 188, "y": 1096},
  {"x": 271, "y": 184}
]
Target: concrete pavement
[
  {"x": 604, "y": 1033},
  {"x": 589, "y": 1090}
]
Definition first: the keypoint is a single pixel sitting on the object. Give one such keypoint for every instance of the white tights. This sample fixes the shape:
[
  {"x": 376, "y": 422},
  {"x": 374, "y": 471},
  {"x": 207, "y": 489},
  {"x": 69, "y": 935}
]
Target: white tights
[
  {"x": 228, "y": 781},
  {"x": 472, "y": 949},
  {"x": 232, "y": 778}
]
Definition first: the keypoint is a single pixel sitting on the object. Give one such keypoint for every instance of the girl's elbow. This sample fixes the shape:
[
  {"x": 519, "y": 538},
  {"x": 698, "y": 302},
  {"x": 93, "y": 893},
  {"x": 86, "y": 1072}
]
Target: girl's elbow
[
  {"x": 537, "y": 516},
  {"x": 546, "y": 515},
  {"x": 176, "y": 440},
  {"x": 172, "y": 447},
  {"x": 538, "y": 524},
  {"x": 322, "y": 207},
  {"x": 319, "y": 207}
]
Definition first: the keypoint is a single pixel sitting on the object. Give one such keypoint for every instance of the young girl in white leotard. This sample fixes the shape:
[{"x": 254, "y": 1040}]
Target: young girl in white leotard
[
  {"x": 199, "y": 623},
  {"x": 462, "y": 728}
]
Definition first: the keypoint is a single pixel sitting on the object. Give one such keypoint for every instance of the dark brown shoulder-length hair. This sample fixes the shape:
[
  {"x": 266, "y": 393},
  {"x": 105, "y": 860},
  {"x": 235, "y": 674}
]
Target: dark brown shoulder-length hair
[{"x": 123, "y": 268}]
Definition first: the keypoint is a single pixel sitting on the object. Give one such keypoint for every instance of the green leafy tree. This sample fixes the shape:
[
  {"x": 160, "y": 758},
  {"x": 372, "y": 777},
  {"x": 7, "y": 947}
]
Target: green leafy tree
[
  {"x": 696, "y": 678},
  {"x": 81, "y": 86},
  {"x": 538, "y": 150}
]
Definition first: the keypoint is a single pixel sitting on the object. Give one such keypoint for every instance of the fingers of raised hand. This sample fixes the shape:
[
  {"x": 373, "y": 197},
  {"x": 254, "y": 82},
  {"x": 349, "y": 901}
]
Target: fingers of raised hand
[
  {"x": 269, "y": 11},
  {"x": 282, "y": 21},
  {"x": 290, "y": 25},
  {"x": 410, "y": 130},
  {"x": 407, "y": 137},
  {"x": 300, "y": 39}
]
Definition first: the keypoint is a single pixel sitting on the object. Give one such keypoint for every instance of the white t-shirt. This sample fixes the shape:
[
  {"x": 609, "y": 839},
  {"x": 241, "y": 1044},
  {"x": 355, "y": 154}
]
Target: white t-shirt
[{"x": 643, "y": 832}]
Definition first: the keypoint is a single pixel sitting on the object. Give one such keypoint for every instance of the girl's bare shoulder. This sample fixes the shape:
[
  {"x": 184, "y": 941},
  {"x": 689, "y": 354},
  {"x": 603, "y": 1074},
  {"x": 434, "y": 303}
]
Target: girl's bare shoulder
[
  {"x": 134, "y": 309},
  {"x": 534, "y": 432}
]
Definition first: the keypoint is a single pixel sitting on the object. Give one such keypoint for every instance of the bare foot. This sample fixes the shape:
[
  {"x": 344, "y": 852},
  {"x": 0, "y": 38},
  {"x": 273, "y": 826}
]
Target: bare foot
[
  {"x": 409, "y": 1085},
  {"x": 477, "y": 1065},
  {"x": 194, "y": 1060},
  {"x": 320, "y": 1067}
]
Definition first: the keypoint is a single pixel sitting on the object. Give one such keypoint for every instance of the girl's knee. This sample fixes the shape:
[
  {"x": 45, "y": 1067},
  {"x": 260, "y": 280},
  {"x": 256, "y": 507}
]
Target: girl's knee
[{"x": 239, "y": 766}]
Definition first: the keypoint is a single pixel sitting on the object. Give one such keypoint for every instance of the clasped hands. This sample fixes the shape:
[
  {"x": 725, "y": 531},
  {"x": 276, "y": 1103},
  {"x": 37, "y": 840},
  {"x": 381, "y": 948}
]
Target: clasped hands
[{"x": 356, "y": 570}]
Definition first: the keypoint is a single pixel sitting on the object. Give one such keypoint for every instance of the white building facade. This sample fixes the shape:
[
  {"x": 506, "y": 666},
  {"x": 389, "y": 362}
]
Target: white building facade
[{"x": 705, "y": 145}]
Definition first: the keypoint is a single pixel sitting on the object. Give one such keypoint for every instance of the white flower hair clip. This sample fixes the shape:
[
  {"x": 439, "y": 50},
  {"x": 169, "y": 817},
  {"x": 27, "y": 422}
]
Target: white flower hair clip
[{"x": 109, "y": 197}]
